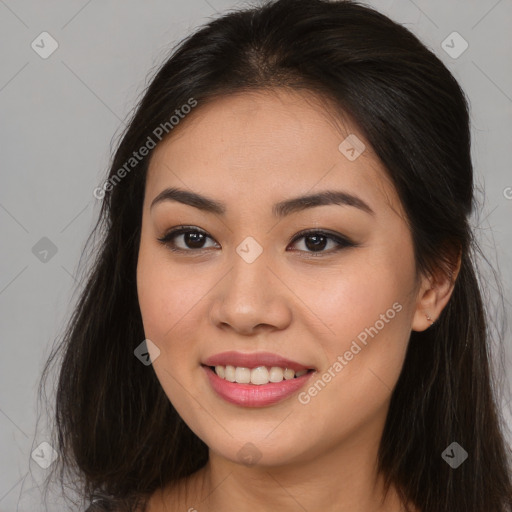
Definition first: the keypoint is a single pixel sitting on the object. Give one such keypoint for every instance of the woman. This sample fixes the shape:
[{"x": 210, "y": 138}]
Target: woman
[{"x": 284, "y": 313}]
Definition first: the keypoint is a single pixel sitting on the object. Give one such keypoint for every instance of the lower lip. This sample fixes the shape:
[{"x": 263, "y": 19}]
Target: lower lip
[{"x": 251, "y": 395}]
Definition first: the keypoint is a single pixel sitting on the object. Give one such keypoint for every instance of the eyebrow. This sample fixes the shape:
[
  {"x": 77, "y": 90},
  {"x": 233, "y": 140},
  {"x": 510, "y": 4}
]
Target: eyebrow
[{"x": 280, "y": 209}]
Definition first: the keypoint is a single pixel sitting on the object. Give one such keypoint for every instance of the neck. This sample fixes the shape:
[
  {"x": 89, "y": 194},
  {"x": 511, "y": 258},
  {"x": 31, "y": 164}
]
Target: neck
[{"x": 344, "y": 479}]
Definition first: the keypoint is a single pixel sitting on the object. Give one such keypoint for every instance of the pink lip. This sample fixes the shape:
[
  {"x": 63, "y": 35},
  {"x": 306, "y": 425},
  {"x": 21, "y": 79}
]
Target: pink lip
[
  {"x": 251, "y": 395},
  {"x": 253, "y": 360}
]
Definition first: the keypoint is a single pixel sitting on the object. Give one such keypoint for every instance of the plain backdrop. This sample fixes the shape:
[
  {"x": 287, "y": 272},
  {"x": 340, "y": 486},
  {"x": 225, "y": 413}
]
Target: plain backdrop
[{"x": 59, "y": 115}]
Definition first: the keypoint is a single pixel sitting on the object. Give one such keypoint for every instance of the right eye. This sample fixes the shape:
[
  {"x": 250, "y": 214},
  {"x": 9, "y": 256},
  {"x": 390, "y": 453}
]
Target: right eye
[{"x": 193, "y": 239}]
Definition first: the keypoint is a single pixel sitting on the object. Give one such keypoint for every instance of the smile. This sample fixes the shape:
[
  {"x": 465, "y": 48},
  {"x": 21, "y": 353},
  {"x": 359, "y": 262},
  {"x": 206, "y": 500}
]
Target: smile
[
  {"x": 256, "y": 395},
  {"x": 257, "y": 376}
]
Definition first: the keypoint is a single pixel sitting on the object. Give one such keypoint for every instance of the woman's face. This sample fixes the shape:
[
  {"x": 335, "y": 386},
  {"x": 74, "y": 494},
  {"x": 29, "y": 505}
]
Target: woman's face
[{"x": 341, "y": 302}]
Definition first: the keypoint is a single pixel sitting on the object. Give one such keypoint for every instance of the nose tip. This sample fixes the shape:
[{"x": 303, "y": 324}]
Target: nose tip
[{"x": 251, "y": 299}]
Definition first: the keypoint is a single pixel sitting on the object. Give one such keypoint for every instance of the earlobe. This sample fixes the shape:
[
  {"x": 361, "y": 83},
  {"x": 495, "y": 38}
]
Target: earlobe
[
  {"x": 426, "y": 310},
  {"x": 433, "y": 295}
]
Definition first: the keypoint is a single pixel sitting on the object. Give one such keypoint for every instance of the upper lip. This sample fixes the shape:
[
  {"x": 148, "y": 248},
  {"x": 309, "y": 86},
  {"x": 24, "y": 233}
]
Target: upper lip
[{"x": 253, "y": 360}]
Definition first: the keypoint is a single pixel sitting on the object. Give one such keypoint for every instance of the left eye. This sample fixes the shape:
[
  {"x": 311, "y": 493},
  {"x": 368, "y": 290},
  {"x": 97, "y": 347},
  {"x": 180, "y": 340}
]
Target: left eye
[
  {"x": 194, "y": 239},
  {"x": 316, "y": 241}
]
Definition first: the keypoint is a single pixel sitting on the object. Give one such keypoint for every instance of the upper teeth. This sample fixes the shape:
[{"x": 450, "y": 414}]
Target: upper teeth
[{"x": 260, "y": 375}]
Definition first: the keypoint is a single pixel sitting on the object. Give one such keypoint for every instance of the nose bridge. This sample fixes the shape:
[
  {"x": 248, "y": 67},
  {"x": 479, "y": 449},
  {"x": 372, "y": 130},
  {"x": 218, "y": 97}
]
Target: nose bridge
[{"x": 249, "y": 278}]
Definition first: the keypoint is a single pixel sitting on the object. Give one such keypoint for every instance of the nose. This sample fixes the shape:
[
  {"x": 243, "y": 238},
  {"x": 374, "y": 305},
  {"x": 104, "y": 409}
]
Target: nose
[{"x": 251, "y": 298}]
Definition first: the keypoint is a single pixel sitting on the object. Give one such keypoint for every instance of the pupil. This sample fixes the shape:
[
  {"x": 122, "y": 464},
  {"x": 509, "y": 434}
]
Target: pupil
[
  {"x": 194, "y": 240},
  {"x": 316, "y": 245}
]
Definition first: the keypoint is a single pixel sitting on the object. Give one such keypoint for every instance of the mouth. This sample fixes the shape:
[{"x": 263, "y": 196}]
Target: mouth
[
  {"x": 259, "y": 376},
  {"x": 255, "y": 380}
]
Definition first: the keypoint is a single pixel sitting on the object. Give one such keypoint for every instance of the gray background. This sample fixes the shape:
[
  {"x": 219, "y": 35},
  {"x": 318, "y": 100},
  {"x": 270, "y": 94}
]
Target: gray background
[{"x": 60, "y": 114}]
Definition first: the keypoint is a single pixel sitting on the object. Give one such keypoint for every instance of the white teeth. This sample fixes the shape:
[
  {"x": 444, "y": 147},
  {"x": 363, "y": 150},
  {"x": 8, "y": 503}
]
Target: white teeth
[
  {"x": 289, "y": 374},
  {"x": 276, "y": 374},
  {"x": 230, "y": 373},
  {"x": 242, "y": 375},
  {"x": 257, "y": 376}
]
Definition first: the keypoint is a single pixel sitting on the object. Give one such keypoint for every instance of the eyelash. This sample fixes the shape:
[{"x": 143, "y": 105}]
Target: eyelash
[{"x": 342, "y": 241}]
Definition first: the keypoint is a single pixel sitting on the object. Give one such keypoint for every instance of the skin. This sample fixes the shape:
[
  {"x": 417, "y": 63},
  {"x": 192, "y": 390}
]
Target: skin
[{"x": 250, "y": 151}]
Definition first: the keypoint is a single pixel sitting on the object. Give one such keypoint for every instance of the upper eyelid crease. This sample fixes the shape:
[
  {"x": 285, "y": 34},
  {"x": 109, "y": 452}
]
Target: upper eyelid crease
[{"x": 281, "y": 209}]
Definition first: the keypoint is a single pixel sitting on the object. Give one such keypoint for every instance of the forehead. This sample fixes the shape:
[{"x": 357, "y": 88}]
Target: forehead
[{"x": 267, "y": 144}]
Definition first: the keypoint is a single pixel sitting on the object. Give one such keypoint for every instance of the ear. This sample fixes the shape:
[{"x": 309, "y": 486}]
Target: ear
[{"x": 433, "y": 295}]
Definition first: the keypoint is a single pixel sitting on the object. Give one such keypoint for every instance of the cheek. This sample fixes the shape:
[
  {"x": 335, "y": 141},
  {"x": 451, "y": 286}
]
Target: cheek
[
  {"x": 363, "y": 294},
  {"x": 167, "y": 304},
  {"x": 152, "y": 295},
  {"x": 368, "y": 307},
  {"x": 369, "y": 333},
  {"x": 173, "y": 303},
  {"x": 166, "y": 295}
]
